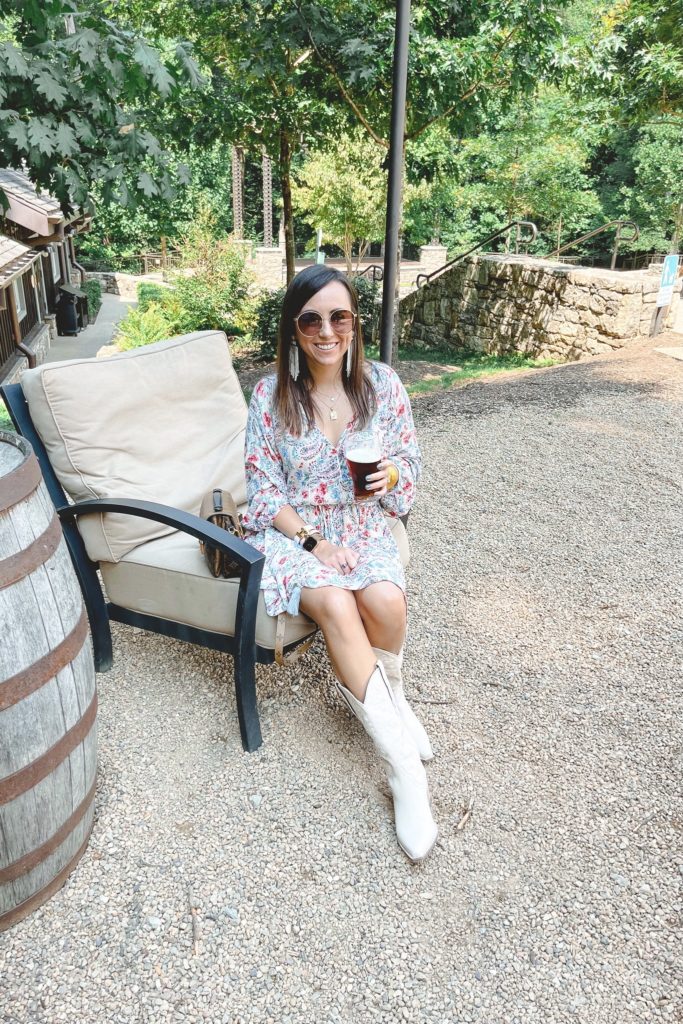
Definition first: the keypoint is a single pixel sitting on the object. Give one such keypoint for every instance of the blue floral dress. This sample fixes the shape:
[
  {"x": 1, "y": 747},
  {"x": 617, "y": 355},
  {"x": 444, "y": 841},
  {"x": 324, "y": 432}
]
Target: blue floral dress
[{"x": 311, "y": 474}]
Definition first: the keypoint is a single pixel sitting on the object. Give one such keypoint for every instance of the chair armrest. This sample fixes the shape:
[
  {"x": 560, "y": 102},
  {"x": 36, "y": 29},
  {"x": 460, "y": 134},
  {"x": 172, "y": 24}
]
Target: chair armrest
[{"x": 246, "y": 556}]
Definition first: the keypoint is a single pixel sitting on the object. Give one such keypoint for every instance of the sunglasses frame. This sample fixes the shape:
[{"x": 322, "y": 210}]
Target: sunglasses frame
[{"x": 328, "y": 319}]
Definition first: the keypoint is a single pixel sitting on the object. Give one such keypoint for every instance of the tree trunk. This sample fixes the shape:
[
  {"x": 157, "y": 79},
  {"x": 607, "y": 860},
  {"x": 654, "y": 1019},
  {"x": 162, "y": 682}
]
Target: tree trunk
[
  {"x": 285, "y": 177},
  {"x": 678, "y": 224}
]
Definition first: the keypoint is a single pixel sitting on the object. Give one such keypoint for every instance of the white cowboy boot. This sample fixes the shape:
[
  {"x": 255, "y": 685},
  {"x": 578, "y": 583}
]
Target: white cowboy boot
[
  {"x": 416, "y": 829},
  {"x": 392, "y": 666}
]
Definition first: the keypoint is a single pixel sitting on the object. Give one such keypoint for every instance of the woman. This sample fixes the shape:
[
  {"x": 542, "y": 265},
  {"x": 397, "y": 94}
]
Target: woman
[{"x": 328, "y": 554}]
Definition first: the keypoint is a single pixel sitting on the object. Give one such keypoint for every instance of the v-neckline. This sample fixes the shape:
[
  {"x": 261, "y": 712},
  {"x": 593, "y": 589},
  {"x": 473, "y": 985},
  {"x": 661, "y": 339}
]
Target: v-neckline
[{"x": 335, "y": 446}]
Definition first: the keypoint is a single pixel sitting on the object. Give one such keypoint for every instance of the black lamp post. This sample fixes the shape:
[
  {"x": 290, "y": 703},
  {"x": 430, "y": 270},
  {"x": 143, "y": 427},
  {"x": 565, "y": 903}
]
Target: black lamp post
[{"x": 390, "y": 291}]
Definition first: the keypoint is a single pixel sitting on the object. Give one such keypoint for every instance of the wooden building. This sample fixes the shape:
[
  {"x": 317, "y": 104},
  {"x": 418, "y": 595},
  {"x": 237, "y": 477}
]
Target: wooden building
[{"x": 36, "y": 257}]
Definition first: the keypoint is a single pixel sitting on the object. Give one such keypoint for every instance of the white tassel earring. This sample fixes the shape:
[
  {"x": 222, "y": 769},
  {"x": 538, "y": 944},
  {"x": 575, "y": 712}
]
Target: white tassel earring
[
  {"x": 294, "y": 361},
  {"x": 349, "y": 357}
]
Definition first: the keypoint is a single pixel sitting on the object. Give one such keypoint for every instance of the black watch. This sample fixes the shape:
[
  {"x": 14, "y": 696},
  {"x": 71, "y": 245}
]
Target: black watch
[{"x": 311, "y": 542}]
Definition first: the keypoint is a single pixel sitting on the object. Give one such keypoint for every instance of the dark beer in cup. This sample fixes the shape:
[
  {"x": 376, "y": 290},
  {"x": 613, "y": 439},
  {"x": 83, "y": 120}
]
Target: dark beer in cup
[{"x": 362, "y": 463}]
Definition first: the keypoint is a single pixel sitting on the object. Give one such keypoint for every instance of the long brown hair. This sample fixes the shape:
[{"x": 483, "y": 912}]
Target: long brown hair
[{"x": 293, "y": 397}]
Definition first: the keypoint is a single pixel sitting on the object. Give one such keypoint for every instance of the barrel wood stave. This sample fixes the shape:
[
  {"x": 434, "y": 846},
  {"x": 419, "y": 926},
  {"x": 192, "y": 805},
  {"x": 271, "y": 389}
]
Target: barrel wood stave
[{"x": 48, "y": 700}]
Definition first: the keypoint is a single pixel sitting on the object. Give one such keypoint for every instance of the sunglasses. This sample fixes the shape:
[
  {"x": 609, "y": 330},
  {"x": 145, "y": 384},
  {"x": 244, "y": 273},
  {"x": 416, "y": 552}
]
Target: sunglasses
[{"x": 310, "y": 323}]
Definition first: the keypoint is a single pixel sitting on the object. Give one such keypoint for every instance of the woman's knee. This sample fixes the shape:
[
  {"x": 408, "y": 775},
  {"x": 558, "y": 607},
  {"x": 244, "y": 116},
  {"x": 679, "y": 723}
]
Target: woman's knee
[
  {"x": 382, "y": 601},
  {"x": 328, "y": 605}
]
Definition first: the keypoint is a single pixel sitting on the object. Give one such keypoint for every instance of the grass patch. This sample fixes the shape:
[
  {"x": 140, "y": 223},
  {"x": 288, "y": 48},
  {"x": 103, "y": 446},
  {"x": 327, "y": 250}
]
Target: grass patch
[
  {"x": 5, "y": 421},
  {"x": 475, "y": 365}
]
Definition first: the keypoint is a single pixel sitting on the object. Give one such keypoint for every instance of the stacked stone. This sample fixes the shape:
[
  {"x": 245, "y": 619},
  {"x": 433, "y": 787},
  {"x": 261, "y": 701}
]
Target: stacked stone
[{"x": 501, "y": 304}]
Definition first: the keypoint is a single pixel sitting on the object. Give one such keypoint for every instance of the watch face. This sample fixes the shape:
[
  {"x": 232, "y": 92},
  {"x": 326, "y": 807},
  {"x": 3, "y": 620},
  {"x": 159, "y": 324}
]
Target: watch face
[{"x": 309, "y": 543}]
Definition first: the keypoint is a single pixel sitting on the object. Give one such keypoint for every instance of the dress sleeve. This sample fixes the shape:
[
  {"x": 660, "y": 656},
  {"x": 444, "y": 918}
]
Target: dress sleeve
[
  {"x": 401, "y": 446},
  {"x": 265, "y": 475}
]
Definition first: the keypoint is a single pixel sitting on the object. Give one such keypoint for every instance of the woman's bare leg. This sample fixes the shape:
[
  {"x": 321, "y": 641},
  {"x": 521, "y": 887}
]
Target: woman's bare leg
[
  {"x": 382, "y": 608},
  {"x": 336, "y": 612}
]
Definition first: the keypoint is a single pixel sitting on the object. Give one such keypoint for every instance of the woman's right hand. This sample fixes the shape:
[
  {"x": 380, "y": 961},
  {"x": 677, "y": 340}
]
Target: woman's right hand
[{"x": 344, "y": 560}]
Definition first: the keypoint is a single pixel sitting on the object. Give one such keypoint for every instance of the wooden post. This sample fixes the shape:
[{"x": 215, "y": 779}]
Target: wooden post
[
  {"x": 14, "y": 315},
  {"x": 164, "y": 257},
  {"x": 61, "y": 256}
]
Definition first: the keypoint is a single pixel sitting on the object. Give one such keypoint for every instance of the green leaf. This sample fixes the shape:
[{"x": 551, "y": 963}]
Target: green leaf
[
  {"x": 46, "y": 83},
  {"x": 150, "y": 143},
  {"x": 17, "y": 132},
  {"x": 184, "y": 174},
  {"x": 148, "y": 60},
  {"x": 84, "y": 43},
  {"x": 14, "y": 60},
  {"x": 147, "y": 184},
  {"x": 66, "y": 139},
  {"x": 41, "y": 136},
  {"x": 190, "y": 66}
]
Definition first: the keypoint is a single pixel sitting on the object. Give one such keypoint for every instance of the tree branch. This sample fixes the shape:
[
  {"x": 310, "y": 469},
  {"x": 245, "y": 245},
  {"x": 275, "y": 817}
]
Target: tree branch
[
  {"x": 465, "y": 96},
  {"x": 342, "y": 88}
]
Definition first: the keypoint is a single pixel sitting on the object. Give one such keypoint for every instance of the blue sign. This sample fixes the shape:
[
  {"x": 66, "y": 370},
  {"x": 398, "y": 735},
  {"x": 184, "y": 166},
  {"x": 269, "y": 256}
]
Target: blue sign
[{"x": 668, "y": 280}]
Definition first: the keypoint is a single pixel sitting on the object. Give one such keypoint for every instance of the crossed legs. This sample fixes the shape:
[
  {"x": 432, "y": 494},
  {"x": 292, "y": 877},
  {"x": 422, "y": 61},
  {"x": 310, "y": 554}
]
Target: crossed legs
[{"x": 355, "y": 621}]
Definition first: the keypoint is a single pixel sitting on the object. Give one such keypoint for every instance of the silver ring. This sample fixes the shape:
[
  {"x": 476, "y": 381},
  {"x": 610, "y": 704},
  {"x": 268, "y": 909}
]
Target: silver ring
[{"x": 343, "y": 565}]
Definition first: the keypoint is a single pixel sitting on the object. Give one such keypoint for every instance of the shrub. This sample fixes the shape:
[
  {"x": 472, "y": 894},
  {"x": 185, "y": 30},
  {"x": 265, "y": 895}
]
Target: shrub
[
  {"x": 93, "y": 289},
  {"x": 213, "y": 286},
  {"x": 368, "y": 307},
  {"x": 143, "y": 327},
  {"x": 267, "y": 321},
  {"x": 148, "y": 292}
]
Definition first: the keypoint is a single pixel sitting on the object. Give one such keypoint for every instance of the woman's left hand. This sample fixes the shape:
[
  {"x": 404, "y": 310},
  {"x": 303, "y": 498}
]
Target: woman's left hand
[{"x": 379, "y": 482}]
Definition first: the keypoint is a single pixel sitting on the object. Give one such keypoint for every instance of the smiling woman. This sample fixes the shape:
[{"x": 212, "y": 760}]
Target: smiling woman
[{"x": 329, "y": 550}]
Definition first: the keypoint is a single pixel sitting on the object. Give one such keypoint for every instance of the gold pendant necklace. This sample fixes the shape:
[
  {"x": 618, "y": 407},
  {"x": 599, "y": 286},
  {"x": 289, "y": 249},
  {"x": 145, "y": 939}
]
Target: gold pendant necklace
[{"x": 333, "y": 412}]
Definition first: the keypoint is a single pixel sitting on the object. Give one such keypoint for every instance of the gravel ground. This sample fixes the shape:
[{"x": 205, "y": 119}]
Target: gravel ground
[{"x": 546, "y": 651}]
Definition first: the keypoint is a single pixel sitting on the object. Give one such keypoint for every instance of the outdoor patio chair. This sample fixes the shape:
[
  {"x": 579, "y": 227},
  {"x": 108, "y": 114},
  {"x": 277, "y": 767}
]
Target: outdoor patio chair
[{"x": 128, "y": 447}]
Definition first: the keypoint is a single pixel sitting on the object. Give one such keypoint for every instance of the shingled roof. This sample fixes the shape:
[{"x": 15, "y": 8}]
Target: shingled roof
[
  {"x": 36, "y": 211},
  {"x": 15, "y": 258}
]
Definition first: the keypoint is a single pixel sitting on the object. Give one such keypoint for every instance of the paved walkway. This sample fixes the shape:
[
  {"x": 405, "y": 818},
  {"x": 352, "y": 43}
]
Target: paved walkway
[{"x": 91, "y": 340}]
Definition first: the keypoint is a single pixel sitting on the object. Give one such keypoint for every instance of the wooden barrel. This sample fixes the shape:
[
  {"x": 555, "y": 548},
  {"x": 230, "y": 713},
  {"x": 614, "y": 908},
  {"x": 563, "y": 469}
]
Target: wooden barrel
[{"x": 48, "y": 698}]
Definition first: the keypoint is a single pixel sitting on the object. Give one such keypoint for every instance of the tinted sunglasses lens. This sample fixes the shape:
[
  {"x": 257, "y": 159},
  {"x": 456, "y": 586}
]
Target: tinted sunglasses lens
[
  {"x": 341, "y": 321},
  {"x": 310, "y": 323}
]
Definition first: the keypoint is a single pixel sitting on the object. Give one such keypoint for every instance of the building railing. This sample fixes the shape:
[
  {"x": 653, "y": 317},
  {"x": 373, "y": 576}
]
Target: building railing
[
  {"x": 373, "y": 270},
  {"x": 520, "y": 239},
  {"x": 618, "y": 226}
]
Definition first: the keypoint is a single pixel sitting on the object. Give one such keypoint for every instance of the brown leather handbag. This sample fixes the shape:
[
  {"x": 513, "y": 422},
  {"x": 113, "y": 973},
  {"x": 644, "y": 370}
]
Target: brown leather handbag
[{"x": 219, "y": 508}]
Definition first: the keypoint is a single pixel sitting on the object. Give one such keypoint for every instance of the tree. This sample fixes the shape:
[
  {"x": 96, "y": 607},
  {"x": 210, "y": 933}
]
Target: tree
[
  {"x": 342, "y": 189},
  {"x": 462, "y": 60},
  {"x": 75, "y": 88},
  {"x": 655, "y": 200},
  {"x": 634, "y": 57},
  {"x": 265, "y": 91}
]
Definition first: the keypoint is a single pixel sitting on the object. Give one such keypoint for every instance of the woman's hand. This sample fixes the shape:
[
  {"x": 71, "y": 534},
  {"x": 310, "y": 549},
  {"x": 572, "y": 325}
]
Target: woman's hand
[
  {"x": 380, "y": 483},
  {"x": 344, "y": 560}
]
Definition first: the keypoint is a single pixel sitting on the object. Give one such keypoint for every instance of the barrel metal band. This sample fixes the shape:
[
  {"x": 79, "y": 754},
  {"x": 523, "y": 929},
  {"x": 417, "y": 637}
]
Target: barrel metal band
[
  {"x": 21, "y": 482},
  {"x": 30, "y": 860},
  {"x": 43, "y": 895},
  {"x": 26, "y": 561},
  {"x": 26, "y": 778},
  {"x": 36, "y": 675}
]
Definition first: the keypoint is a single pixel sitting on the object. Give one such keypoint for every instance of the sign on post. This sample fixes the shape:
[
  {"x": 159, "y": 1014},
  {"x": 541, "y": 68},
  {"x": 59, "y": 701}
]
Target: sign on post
[{"x": 668, "y": 280}]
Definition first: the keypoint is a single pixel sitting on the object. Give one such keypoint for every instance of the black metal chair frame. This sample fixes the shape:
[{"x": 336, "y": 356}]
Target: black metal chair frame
[{"x": 242, "y": 646}]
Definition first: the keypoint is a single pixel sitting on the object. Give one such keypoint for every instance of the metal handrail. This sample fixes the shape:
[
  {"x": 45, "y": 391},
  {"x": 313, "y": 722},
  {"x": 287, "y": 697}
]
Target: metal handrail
[
  {"x": 618, "y": 237},
  {"x": 423, "y": 278},
  {"x": 377, "y": 272}
]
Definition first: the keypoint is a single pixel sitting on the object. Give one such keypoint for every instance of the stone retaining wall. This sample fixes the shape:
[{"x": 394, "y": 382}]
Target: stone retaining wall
[
  {"x": 507, "y": 303},
  {"x": 120, "y": 284}
]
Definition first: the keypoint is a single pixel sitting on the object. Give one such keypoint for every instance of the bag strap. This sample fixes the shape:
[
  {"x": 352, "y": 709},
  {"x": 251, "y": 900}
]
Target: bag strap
[
  {"x": 229, "y": 508},
  {"x": 281, "y": 658}
]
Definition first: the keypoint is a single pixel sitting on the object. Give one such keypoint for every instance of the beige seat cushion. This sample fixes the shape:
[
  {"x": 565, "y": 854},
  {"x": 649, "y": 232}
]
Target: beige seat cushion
[
  {"x": 169, "y": 578},
  {"x": 162, "y": 423}
]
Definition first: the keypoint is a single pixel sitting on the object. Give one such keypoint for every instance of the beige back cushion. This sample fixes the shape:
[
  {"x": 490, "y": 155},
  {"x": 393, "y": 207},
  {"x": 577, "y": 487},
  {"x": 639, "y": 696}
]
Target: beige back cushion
[{"x": 162, "y": 423}]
